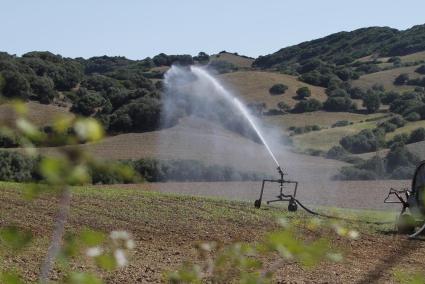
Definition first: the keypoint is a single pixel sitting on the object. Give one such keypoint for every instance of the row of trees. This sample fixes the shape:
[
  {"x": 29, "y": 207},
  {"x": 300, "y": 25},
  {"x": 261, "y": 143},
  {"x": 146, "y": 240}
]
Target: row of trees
[{"x": 20, "y": 168}]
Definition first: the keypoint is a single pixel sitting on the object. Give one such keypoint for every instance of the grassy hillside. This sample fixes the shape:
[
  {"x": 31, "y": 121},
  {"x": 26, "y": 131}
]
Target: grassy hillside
[
  {"x": 356, "y": 44},
  {"x": 237, "y": 60},
  {"x": 327, "y": 138},
  {"x": 321, "y": 118},
  {"x": 167, "y": 227},
  {"x": 386, "y": 79},
  {"x": 253, "y": 86},
  {"x": 39, "y": 114}
]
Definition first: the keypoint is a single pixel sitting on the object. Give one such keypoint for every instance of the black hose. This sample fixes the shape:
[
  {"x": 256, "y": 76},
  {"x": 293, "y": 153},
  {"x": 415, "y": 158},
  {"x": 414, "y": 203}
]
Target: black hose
[{"x": 337, "y": 217}]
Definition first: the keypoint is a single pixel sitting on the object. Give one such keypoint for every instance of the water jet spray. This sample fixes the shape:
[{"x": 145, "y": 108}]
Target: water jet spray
[{"x": 178, "y": 74}]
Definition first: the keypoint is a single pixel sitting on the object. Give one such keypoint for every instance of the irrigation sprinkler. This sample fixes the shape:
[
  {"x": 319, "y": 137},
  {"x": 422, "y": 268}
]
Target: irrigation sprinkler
[
  {"x": 289, "y": 197},
  {"x": 412, "y": 216}
]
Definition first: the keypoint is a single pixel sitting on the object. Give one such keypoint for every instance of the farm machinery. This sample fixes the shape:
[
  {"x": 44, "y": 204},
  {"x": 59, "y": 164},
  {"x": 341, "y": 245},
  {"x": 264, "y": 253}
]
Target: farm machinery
[
  {"x": 412, "y": 216},
  {"x": 289, "y": 197}
]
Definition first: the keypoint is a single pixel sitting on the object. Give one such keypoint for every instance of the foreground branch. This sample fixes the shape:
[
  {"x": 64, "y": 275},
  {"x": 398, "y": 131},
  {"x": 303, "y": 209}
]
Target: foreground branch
[{"x": 59, "y": 230}]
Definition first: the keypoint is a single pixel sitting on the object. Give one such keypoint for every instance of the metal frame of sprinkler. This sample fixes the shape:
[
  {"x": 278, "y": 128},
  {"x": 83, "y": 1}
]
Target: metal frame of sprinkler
[
  {"x": 292, "y": 205},
  {"x": 411, "y": 220}
]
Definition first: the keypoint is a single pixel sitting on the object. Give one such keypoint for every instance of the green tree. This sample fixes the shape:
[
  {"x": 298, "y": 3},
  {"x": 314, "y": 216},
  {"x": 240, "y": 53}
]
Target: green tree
[
  {"x": 16, "y": 86},
  {"x": 401, "y": 79},
  {"x": 278, "y": 89},
  {"x": 283, "y": 106},
  {"x": 339, "y": 104},
  {"x": 307, "y": 106},
  {"x": 303, "y": 92},
  {"x": 372, "y": 102}
]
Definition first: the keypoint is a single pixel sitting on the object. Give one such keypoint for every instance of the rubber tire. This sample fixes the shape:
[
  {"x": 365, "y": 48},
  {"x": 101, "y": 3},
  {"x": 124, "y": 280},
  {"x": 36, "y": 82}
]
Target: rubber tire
[
  {"x": 406, "y": 224},
  {"x": 292, "y": 206},
  {"x": 257, "y": 203}
]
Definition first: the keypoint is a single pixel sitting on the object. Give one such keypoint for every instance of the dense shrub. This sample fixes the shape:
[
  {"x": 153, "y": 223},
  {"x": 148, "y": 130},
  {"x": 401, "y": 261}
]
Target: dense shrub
[
  {"x": 421, "y": 69},
  {"x": 88, "y": 103},
  {"x": 163, "y": 59},
  {"x": 388, "y": 126},
  {"x": 397, "y": 120},
  {"x": 283, "y": 106},
  {"x": 202, "y": 58},
  {"x": 417, "y": 82},
  {"x": 417, "y": 135},
  {"x": 356, "y": 93},
  {"x": 303, "y": 92},
  {"x": 16, "y": 167},
  {"x": 99, "y": 83},
  {"x": 305, "y": 129},
  {"x": 278, "y": 89},
  {"x": 401, "y": 79},
  {"x": 16, "y": 85},
  {"x": 140, "y": 115},
  {"x": 398, "y": 140},
  {"x": 307, "y": 106},
  {"x": 43, "y": 89},
  {"x": 337, "y": 153},
  {"x": 341, "y": 123},
  {"x": 407, "y": 103},
  {"x": 399, "y": 163},
  {"x": 8, "y": 140},
  {"x": 339, "y": 104},
  {"x": 372, "y": 102},
  {"x": 363, "y": 142},
  {"x": 400, "y": 157},
  {"x": 413, "y": 116},
  {"x": 339, "y": 93},
  {"x": 188, "y": 170},
  {"x": 388, "y": 97}
]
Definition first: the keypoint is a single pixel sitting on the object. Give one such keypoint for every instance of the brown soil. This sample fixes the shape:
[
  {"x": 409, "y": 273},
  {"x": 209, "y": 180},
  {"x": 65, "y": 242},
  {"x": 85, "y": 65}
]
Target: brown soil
[{"x": 166, "y": 228}]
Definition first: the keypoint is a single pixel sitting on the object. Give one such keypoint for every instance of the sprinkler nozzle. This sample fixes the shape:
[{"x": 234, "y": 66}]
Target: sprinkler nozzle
[{"x": 280, "y": 171}]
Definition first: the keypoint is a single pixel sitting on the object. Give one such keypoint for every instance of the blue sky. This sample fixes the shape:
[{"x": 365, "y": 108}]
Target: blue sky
[{"x": 141, "y": 28}]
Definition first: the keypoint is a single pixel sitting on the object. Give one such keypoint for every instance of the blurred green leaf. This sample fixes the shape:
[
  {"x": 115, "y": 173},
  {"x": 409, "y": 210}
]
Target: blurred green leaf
[
  {"x": 54, "y": 170},
  {"x": 91, "y": 238},
  {"x": 79, "y": 175},
  {"x": 29, "y": 130},
  {"x": 82, "y": 278},
  {"x": 62, "y": 124},
  {"x": 10, "y": 278},
  {"x": 106, "y": 261},
  {"x": 187, "y": 274},
  {"x": 89, "y": 129},
  {"x": 20, "y": 107},
  {"x": 15, "y": 238}
]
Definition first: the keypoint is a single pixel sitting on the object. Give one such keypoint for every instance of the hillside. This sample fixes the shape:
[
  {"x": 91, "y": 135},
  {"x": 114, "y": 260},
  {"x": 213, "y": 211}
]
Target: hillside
[
  {"x": 253, "y": 86},
  {"x": 233, "y": 58},
  {"x": 386, "y": 79},
  {"x": 351, "y": 45}
]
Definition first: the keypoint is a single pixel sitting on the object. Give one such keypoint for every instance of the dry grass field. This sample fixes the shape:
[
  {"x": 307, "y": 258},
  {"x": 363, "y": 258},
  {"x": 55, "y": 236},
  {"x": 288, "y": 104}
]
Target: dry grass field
[
  {"x": 321, "y": 118},
  {"x": 253, "y": 86},
  {"x": 38, "y": 114},
  {"x": 326, "y": 138},
  {"x": 238, "y": 61},
  {"x": 386, "y": 78}
]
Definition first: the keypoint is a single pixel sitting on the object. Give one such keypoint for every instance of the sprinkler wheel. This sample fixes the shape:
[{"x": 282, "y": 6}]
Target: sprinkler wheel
[
  {"x": 292, "y": 206},
  {"x": 406, "y": 224},
  {"x": 257, "y": 203}
]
